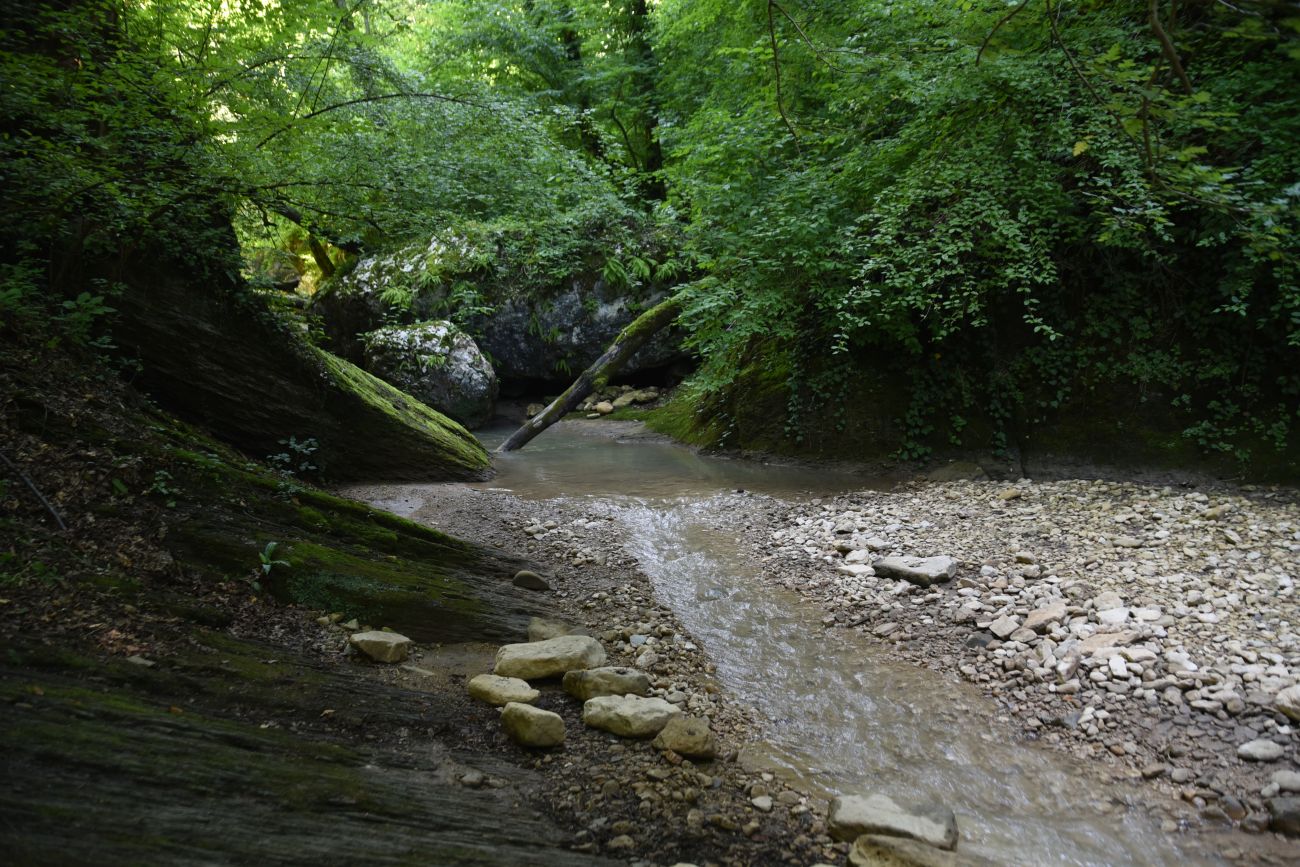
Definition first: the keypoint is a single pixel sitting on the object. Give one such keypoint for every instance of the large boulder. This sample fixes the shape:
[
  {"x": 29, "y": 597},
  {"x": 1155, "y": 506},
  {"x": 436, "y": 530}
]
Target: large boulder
[
  {"x": 213, "y": 353},
  {"x": 553, "y": 338},
  {"x": 629, "y": 716},
  {"x": 854, "y": 815},
  {"x": 438, "y": 364},
  {"x": 532, "y": 331},
  {"x": 550, "y": 658}
]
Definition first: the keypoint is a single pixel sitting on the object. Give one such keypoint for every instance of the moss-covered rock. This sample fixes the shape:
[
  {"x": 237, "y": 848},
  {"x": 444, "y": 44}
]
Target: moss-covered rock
[
  {"x": 212, "y": 352},
  {"x": 438, "y": 364}
]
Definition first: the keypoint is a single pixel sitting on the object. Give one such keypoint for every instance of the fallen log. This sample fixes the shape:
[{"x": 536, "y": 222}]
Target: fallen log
[{"x": 637, "y": 334}]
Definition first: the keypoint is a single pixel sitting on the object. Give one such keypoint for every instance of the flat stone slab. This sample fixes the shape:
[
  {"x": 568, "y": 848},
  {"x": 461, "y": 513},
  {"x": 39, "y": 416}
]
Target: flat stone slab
[
  {"x": 549, "y": 658},
  {"x": 531, "y": 726},
  {"x": 498, "y": 690},
  {"x": 609, "y": 680},
  {"x": 382, "y": 646},
  {"x": 629, "y": 716},
  {"x": 922, "y": 571},
  {"x": 852, "y": 816},
  {"x": 1041, "y": 618}
]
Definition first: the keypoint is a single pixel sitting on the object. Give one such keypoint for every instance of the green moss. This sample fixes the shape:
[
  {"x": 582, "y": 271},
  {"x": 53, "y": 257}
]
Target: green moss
[
  {"x": 392, "y": 591},
  {"x": 459, "y": 447}
]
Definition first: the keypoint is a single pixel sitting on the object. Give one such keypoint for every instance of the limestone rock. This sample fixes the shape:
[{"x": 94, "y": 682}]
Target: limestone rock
[
  {"x": 382, "y": 646},
  {"x": 687, "y": 736},
  {"x": 531, "y": 726},
  {"x": 497, "y": 690},
  {"x": 628, "y": 716},
  {"x": 1288, "y": 701},
  {"x": 540, "y": 629},
  {"x": 922, "y": 571},
  {"x": 549, "y": 658},
  {"x": 610, "y": 680},
  {"x": 1260, "y": 750},
  {"x": 604, "y": 407},
  {"x": 438, "y": 364},
  {"x": 530, "y": 580},
  {"x": 1041, "y": 618},
  {"x": 875, "y": 850},
  {"x": 852, "y": 816}
]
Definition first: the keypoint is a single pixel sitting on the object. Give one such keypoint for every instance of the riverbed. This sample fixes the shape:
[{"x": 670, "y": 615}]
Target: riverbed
[{"x": 840, "y": 713}]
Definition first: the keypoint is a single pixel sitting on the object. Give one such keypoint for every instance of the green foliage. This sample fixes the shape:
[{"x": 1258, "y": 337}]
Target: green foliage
[
  {"x": 1012, "y": 209},
  {"x": 1018, "y": 213},
  {"x": 297, "y": 458}
]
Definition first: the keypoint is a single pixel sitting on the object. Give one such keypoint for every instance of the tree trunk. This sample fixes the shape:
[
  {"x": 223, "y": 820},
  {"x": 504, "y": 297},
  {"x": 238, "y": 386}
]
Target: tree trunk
[{"x": 629, "y": 340}]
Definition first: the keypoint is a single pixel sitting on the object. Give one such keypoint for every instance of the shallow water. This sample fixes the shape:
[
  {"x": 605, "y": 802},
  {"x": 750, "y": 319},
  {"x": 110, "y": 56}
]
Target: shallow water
[{"x": 842, "y": 718}]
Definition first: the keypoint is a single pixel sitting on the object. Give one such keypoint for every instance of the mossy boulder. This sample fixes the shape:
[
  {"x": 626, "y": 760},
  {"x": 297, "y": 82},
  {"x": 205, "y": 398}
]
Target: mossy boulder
[
  {"x": 213, "y": 353},
  {"x": 438, "y": 364},
  {"x": 535, "y": 327}
]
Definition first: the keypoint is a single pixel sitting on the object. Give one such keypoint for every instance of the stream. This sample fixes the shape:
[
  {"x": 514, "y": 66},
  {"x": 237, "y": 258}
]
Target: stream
[{"x": 841, "y": 717}]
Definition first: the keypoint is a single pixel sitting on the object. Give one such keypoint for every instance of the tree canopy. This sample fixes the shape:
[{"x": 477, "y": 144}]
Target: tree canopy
[{"x": 1009, "y": 204}]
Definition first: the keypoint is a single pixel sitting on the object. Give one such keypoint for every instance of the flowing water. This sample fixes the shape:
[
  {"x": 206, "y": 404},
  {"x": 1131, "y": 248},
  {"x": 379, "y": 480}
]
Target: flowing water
[{"x": 842, "y": 718}]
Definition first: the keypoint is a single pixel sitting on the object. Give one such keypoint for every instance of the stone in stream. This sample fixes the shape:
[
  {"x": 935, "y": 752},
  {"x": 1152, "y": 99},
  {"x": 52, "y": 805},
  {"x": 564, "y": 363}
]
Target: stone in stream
[
  {"x": 549, "y": 658},
  {"x": 382, "y": 646},
  {"x": 687, "y": 736},
  {"x": 530, "y": 580},
  {"x": 922, "y": 571},
  {"x": 531, "y": 726},
  {"x": 497, "y": 690},
  {"x": 629, "y": 716},
  {"x": 875, "y": 850},
  {"x": 1288, "y": 701},
  {"x": 851, "y": 816},
  {"x": 1260, "y": 750},
  {"x": 610, "y": 680}
]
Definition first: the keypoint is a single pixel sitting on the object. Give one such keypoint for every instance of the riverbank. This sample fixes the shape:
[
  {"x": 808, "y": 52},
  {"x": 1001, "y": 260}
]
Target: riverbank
[{"x": 1152, "y": 629}]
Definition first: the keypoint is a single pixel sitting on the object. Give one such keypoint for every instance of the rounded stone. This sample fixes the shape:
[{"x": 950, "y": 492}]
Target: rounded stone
[{"x": 531, "y": 726}]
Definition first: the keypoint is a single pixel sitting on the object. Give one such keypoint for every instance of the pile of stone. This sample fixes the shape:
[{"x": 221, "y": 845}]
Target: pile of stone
[
  {"x": 1134, "y": 602},
  {"x": 615, "y": 397},
  {"x": 615, "y": 699}
]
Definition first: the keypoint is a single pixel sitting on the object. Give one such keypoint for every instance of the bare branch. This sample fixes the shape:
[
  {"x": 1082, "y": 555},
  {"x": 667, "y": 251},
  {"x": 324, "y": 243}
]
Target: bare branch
[
  {"x": 364, "y": 99},
  {"x": 996, "y": 27},
  {"x": 1167, "y": 46},
  {"x": 35, "y": 490},
  {"x": 776, "y": 64}
]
